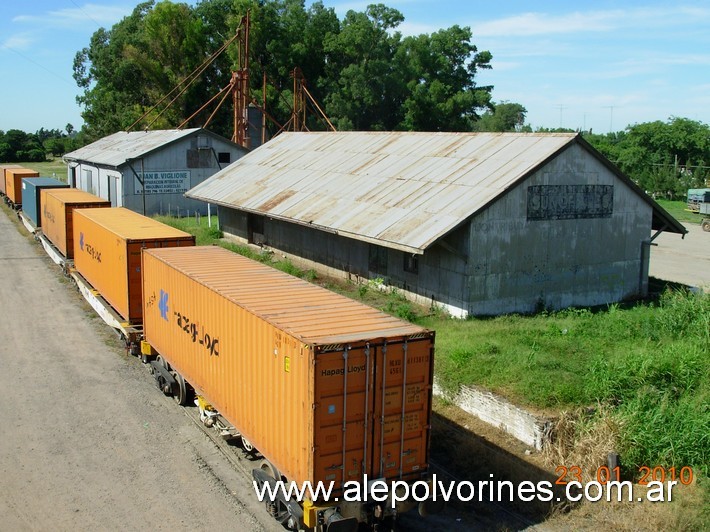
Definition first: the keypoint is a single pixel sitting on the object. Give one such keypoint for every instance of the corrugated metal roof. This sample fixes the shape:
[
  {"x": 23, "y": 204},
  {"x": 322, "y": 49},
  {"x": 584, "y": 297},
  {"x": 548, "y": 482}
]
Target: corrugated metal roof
[
  {"x": 304, "y": 310},
  {"x": 401, "y": 190},
  {"x": 120, "y": 147},
  {"x": 130, "y": 225},
  {"x": 74, "y": 195}
]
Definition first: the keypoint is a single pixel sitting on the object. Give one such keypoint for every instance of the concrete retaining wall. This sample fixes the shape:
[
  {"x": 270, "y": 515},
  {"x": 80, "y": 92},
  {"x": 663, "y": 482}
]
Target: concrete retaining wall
[{"x": 493, "y": 409}]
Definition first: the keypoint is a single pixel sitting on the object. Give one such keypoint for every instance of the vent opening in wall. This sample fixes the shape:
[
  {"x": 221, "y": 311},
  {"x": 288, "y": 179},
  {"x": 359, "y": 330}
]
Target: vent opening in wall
[{"x": 411, "y": 263}]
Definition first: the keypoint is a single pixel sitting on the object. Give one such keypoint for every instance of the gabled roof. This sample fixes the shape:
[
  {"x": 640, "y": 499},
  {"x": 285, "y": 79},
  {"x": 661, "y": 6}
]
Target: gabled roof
[
  {"x": 119, "y": 148},
  {"x": 403, "y": 190}
]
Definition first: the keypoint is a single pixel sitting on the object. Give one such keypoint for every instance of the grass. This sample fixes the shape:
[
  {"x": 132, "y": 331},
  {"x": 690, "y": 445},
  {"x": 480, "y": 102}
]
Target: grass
[
  {"x": 50, "y": 168},
  {"x": 643, "y": 368},
  {"x": 678, "y": 209}
]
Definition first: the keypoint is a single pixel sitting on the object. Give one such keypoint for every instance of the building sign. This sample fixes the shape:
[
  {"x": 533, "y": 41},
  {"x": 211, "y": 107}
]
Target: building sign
[
  {"x": 176, "y": 182},
  {"x": 568, "y": 202}
]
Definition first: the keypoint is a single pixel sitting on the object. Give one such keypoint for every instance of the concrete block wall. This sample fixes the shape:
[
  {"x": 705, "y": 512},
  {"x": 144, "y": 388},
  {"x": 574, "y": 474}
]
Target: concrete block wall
[{"x": 530, "y": 429}]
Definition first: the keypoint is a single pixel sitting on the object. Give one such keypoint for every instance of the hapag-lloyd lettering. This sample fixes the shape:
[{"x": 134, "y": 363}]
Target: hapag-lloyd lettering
[{"x": 339, "y": 371}]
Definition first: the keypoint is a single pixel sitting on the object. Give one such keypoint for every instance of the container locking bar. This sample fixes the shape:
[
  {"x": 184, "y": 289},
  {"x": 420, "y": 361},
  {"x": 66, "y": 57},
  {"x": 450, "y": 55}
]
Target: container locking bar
[{"x": 404, "y": 404}]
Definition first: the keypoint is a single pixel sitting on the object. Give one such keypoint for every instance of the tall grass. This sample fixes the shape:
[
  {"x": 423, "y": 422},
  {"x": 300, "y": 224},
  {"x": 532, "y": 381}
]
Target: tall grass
[{"x": 650, "y": 363}]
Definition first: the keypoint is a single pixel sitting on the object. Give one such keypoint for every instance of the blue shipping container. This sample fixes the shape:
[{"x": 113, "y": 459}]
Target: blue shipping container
[{"x": 31, "y": 193}]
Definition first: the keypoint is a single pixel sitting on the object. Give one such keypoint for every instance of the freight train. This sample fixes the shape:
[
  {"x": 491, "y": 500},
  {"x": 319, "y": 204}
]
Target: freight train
[{"x": 324, "y": 389}]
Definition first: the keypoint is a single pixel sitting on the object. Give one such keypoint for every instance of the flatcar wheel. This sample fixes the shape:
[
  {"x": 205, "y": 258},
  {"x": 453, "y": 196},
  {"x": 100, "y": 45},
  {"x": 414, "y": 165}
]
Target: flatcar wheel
[
  {"x": 182, "y": 395},
  {"x": 276, "y": 509}
]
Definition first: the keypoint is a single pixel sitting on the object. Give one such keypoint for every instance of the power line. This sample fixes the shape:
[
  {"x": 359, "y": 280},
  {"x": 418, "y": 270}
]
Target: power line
[
  {"x": 85, "y": 13},
  {"x": 65, "y": 80}
]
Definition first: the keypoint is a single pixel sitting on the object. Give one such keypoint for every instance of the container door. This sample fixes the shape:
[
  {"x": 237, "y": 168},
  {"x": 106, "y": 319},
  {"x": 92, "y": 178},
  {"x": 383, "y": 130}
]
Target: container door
[
  {"x": 401, "y": 409},
  {"x": 343, "y": 406}
]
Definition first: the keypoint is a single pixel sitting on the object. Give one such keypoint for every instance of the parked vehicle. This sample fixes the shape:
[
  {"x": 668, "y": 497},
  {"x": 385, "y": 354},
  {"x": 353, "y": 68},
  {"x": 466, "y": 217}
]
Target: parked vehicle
[{"x": 699, "y": 202}]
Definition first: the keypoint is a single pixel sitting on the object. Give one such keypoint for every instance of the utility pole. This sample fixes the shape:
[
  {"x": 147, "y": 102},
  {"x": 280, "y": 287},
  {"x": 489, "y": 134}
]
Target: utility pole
[
  {"x": 561, "y": 108},
  {"x": 611, "y": 116}
]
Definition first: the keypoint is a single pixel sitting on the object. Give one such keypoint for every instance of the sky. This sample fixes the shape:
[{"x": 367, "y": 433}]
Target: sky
[{"x": 601, "y": 65}]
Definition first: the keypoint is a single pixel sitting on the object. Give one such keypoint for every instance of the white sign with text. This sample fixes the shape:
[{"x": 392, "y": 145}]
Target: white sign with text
[{"x": 168, "y": 182}]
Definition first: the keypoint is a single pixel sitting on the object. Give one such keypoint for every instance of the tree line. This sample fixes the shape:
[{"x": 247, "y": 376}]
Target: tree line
[
  {"x": 19, "y": 146},
  {"x": 364, "y": 73},
  {"x": 663, "y": 158}
]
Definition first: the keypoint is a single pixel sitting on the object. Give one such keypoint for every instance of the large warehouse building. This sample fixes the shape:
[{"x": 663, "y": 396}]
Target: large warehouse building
[
  {"x": 150, "y": 171},
  {"x": 478, "y": 223}
]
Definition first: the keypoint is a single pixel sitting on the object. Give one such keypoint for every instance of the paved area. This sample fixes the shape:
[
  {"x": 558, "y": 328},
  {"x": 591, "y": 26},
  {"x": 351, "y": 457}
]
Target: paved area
[{"x": 684, "y": 260}]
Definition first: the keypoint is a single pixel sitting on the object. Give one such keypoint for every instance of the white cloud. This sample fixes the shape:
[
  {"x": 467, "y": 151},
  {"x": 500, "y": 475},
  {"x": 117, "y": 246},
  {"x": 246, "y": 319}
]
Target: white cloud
[
  {"x": 536, "y": 23},
  {"x": 527, "y": 24},
  {"x": 20, "y": 41},
  {"x": 104, "y": 15}
]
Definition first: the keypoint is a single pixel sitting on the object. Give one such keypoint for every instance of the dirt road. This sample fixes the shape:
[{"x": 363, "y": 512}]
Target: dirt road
[
  {"x": 684, "y": 260},
  {"x": 86, "y": 441}
]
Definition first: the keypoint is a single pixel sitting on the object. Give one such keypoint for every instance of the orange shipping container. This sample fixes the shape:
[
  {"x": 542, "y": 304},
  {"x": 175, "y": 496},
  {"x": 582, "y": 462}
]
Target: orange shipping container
[
  {"x": 58, "y": 206},
  {"x": 13, "y": 182},
  {"x": 327, "y": 388},
  {"x": 108, "y": 253},
  {"x": 3, "y": 169}
]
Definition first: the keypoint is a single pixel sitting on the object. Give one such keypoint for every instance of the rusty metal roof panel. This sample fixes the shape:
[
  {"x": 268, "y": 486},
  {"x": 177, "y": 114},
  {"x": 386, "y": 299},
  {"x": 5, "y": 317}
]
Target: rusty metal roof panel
[
  {"x": 117, "y": 149},
  {"x": 401, "y": 189}
]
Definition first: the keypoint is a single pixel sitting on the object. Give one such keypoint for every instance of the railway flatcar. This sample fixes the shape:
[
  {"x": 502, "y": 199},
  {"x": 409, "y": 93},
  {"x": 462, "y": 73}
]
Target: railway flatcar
[{"x": 327, "y": 389}]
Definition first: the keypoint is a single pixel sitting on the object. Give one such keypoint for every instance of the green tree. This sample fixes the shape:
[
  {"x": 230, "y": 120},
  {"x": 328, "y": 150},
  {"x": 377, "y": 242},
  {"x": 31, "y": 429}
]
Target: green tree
[
  {"x": 126, "y": 70},
  {"x": 284, "y": 35},
  {"x": 360, "y": 69},
  {"x": 16, "y": 145},
  {"x": 440, "y": 71},
  {"x": 505, "y": 116},
  {"x": 363, "y": 90},
  {"x": 662, "y": 157}
]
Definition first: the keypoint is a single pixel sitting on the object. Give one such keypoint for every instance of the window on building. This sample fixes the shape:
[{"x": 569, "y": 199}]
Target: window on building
[
  {"x": 88, "y": 182},
  {"x": 378, "y": 260},
  {"x": 224, "y": 157},
  {"x": 411, "y": 263},
  {"x": 200, "y": 158}
]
